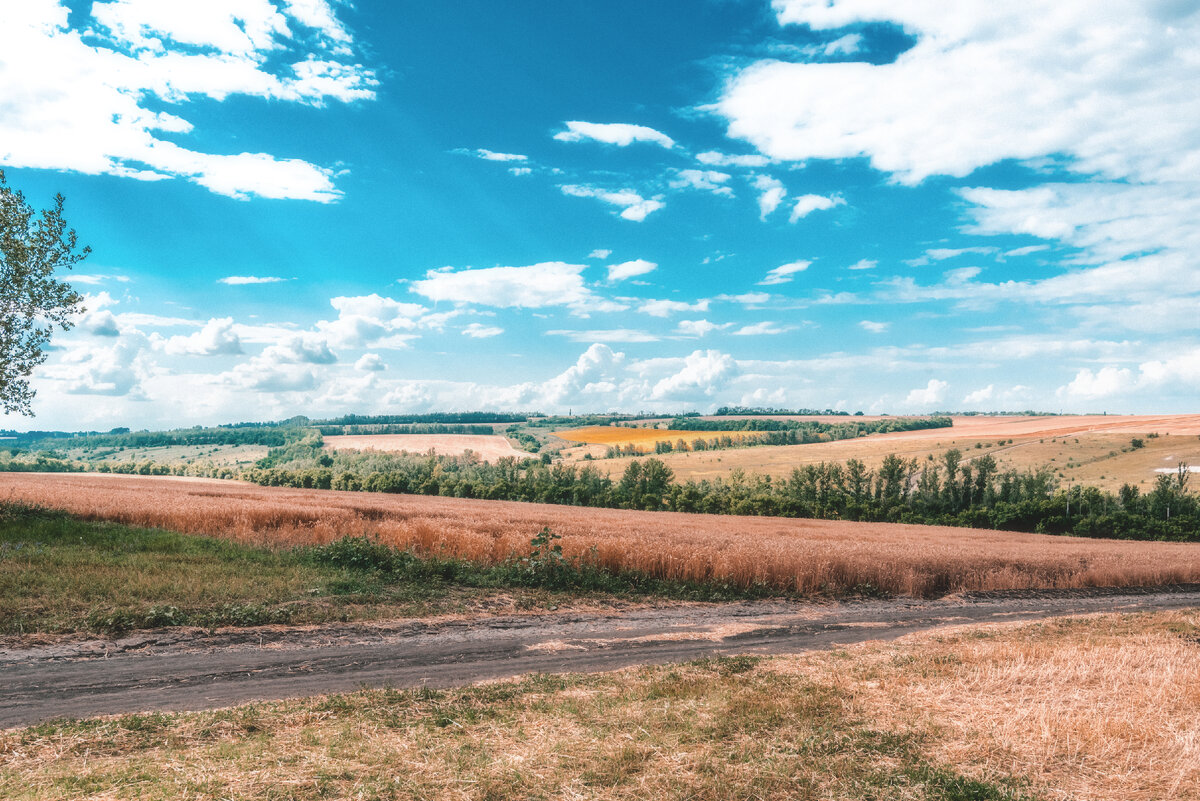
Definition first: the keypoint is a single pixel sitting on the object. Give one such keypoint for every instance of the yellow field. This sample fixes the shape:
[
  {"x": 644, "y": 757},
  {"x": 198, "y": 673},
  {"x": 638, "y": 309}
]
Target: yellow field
[
  {"x": 641, "y": 437},
  {"x": 1099, "y": 457}
]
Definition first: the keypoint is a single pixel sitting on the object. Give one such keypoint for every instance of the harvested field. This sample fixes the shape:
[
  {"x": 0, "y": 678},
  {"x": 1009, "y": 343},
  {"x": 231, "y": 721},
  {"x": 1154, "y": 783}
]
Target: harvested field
[
  {"x": 488, "y": 448},
  {"x": 1101, "y": 457},
  {"x": 644, "y": 438},
  {"x": 806, "y": 556}
]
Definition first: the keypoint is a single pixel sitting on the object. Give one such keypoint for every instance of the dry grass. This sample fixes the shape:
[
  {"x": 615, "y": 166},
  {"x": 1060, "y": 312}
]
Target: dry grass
[
  {"x": 806, "y": 556},
  {"x": 640, "y": 437},
  {"x": 488, "y": 448},
  {"x": 1097, "y": 458},
  {"x": 1102, "y": 708}
]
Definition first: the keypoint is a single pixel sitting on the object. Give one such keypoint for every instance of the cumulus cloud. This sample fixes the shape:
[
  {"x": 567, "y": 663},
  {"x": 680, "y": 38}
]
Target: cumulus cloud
[
  {"x": 370, "y": 363},
  {"x": 633, "y": 206},
  {"x": 864, "y": 264},
  {"x": 980, "y": 396},
  {"x": 784, "y": 272},
  {"x": 706, "y": 180},
  {"x": 771, "y": 194},
  {"x": 217, "y": 338},
  {"x": 614, "y": 133},
  {"x": 807, "y": 204},
  {"x": 765, "y": 328},
  {"x": 600, "y": 253},
  {"x": 241, "y": 280},
  {"x": 698, "y": 328},
  {"x": 716, "y": 159},
  {"x": 704, "y": 373},
  {"x": 630, "y": 269},
  {"x": 100, "y": 106},
  {"x": 480, "y": 331},
  {"x": 929, "y": 395},
  {"x": 534, "y": 286},
  {"x": 874, "y": 327},
  {"x": 621, "y": 335},
  {"x": 665, "y": 308},
  {"x": 372, "y": 320}
]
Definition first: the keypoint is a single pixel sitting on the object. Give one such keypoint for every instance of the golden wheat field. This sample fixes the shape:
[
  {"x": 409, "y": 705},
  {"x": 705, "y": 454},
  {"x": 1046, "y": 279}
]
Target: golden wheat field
[
  {"x": 642, "y": 438},
  {"x": 808, "y": 556}
]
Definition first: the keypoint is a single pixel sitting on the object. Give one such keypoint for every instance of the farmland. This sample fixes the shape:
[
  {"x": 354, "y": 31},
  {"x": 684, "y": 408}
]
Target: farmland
[
  {"x": 1102, "y": 707},
  {"x": 1092, "y": 450},
  {"x": 486, "y": 447},
  {"x": 802, "y": 556}
]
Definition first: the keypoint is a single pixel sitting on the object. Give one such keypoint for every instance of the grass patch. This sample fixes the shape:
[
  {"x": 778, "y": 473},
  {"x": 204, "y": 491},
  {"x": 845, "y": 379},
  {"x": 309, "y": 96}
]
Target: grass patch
[
  {"x": 713, "y": 729},
  {"x": 59, "y": 574}
]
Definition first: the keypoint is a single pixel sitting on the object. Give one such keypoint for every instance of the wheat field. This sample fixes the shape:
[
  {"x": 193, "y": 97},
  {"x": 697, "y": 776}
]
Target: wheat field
[{"x": 805, "y": 556}]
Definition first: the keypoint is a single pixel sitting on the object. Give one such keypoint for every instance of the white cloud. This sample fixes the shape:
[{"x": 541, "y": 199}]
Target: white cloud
[
  {"x": 706, "y": 180},
  {"x": 373, "y": 320},
  {"x": 600, "y": 253},
  {"x": 765, "y": 328},
  {"x": 97, "y": 107},
  {"x": 532, "y": 287},
  {"x": 941, "y": 254},
  {"x": 704, "y": 373},
  {"x": 715, "y": 159},
  {"x": 629, "y": 269},
  {"x": 929, "y": 395},
  {"x": 874, "y": 327},
  {"x": 783, "y": 273},
  {"x": 980, "y": 396},
  {"x": 480, "y": 331},
  {"x": 1100, "y": 384},
  {"x": 616, "y": 133},
  {"x": 864, "y": 264},
  {"x": 633, "y": 206},
  {"x": 985, "y": 82},
  {"x": 217, "y": 338},
  {"x": 370, "y": 363},
  {"x": 491, "y": 155},
  {"x": 115, "y": 370},
  {"x": 240, "y": 280},
  {"x": 698, "y": 328},
  {"x": 619, "y": 335},
  {"x": 665, "y": 308},
  {"x": 746, "y": 298},
  {"x": 807, "y": 204},
  {"x": 771, "y": 194}
]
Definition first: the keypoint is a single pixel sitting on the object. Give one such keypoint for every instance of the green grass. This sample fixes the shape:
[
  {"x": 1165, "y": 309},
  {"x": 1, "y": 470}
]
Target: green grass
[
  {"x": 59, "y": 574},
  {"x": 715, "y": 729}
]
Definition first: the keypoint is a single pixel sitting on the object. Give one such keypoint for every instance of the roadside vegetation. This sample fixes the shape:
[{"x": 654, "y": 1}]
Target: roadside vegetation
[
  {"x": 1103, "y": 708},
  {"x": 61, "y": 574}
]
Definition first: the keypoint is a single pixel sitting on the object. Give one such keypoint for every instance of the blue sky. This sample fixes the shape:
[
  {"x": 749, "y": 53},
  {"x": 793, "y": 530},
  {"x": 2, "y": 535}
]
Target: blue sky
[{"x": 305, "y": 206}]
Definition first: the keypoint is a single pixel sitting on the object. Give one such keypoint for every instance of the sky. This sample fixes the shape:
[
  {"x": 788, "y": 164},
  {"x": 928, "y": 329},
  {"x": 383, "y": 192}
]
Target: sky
[{"x": 324, "y": 207}]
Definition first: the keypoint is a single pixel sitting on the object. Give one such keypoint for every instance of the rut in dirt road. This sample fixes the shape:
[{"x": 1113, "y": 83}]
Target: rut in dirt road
[{"x": 193, "y": 671}]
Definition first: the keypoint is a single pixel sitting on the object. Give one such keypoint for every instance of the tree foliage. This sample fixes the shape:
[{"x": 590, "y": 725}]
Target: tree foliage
[{"x": 33, "y": 246}]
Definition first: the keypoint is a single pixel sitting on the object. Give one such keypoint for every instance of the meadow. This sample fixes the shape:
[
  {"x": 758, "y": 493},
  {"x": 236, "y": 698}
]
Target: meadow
[
  {"x": 786, "y": 555},
  {"x": 1102, "y": 707}
]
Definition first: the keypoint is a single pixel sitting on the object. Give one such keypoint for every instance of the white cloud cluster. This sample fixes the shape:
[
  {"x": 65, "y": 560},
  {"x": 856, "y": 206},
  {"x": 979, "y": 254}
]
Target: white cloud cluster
[
  {"x": 534, "y": 286},
  {"x": 243, "y": 280},
  {"x": 807, "y": 204},
  {"x": 785, "y": 272},
  {"x": 630, "y": 269},
  {"x": 633, "y": 206},
  {"x": 771, "y": 194},
  {"x": 613, "y": 133},
  {"x": 90, "y": 99}
]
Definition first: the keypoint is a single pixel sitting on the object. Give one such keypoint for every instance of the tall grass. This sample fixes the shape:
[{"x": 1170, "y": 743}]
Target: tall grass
[{"x": 803, "y": 556}]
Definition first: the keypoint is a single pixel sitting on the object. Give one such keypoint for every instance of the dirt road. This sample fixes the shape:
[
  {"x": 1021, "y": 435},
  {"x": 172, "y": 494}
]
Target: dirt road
[{"x": 190, "y": 670}]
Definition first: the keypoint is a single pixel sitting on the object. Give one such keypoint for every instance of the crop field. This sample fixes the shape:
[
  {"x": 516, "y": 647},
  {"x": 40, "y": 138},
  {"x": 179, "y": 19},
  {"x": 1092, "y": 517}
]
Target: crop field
[
  {"x": 804, "y": 556},
  {"x": 172, "y": 454},
  {"x": 488, "y": 448},
  {"x": 645, "y": 437},
  {"x": 1080, "y": 452}
]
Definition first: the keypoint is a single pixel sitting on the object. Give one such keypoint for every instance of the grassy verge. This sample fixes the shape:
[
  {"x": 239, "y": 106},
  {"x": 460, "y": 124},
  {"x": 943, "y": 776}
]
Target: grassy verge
[
  {"x": 59, "y": 574},
  {"x": 1103, "y": 708}
]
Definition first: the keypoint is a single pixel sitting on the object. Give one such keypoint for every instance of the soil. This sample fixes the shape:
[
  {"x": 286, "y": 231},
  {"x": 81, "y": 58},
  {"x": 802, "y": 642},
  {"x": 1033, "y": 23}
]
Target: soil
[{"x": 189, "y": 669}]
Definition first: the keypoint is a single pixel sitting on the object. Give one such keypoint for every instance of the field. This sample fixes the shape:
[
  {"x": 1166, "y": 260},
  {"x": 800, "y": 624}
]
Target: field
[
  {"x": 804, "y": 556},
  {"x": 1103, "y": 708},
  {"x": 172, "y": 454},
  {"x": 644, "y": 438},
  {"x": 1093, "y": 450},
  {"x": 488, "y": 448}
]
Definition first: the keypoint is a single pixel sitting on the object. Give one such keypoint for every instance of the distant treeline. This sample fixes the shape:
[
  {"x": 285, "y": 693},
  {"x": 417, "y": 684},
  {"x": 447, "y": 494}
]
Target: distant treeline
[
  {"x": 814, "y": 428},
  {"x": 273, "y": 436},
  {"x": 952, "y": 491},
  {"x": 404, "y": 428},
  {"x": 437, "y": 417},
  {"x": 727, "y": 411}
]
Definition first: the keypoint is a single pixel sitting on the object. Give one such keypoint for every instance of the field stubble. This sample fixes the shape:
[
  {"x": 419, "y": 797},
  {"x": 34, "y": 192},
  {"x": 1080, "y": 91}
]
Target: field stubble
[{"x": 804, "y": 556}]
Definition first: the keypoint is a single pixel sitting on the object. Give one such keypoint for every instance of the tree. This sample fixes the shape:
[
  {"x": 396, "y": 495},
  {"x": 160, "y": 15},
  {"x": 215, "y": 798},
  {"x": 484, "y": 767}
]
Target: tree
[{"x": 32, "y": 301}]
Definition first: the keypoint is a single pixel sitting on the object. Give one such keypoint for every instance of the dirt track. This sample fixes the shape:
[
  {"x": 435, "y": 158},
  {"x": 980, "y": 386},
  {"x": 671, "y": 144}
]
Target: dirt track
[{"x": 191, "y": 670}]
